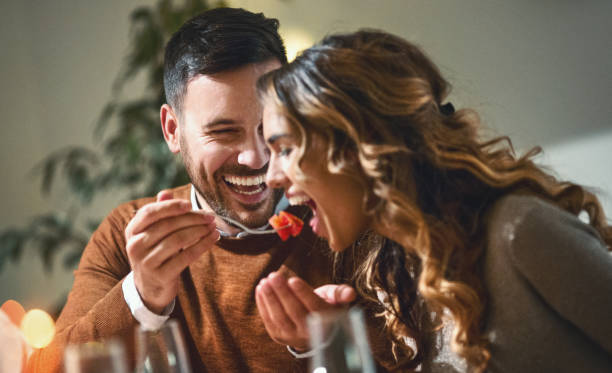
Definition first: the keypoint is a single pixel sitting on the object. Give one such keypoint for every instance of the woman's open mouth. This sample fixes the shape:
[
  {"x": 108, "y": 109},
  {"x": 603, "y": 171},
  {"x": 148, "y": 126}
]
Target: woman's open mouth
[{"x": 307, "y": 201}]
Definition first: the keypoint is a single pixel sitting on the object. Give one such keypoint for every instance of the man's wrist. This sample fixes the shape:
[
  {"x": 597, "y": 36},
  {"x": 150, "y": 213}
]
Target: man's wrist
[
  {"x": 160, "y": 311},
  {"x": 148, "y": 319}
]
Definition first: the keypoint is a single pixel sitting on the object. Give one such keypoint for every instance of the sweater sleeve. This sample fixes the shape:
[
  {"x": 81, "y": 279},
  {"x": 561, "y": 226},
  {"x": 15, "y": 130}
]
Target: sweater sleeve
[
  {"x": 568, "y": 264},
  {"x": 96, "y": 309}
]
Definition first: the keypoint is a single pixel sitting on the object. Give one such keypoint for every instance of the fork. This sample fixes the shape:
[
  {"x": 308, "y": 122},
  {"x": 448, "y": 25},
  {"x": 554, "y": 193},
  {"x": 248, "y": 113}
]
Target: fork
[{"x": 249, "y": 230}]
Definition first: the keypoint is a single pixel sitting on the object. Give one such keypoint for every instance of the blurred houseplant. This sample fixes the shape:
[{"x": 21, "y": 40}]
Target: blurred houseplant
[{"x": 131, "y": 158}]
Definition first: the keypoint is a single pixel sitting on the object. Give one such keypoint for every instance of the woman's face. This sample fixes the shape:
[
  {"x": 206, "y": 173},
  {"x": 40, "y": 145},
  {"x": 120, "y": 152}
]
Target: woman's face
[{"x": 336, "y": 200}]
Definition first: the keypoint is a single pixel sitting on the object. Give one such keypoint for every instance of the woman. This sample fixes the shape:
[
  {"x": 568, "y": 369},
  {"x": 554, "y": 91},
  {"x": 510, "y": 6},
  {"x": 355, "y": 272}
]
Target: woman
[{"x": 455, "y": 240}]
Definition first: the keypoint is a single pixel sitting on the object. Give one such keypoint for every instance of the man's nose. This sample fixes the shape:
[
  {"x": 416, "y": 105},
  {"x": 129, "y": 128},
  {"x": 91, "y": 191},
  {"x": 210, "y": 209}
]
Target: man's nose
[{"x": 254, "y": 154}]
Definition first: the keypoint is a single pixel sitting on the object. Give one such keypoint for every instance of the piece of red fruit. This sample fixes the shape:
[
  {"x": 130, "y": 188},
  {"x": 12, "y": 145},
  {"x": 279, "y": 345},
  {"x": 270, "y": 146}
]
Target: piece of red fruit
[
  {"x": 286, "y": 225},
  {"x": 296, "y": 224},
  {"x": 282, "y": 226}
]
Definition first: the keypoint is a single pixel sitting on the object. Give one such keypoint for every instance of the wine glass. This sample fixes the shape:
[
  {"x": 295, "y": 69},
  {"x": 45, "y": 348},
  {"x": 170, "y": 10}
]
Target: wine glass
[
  {"x": 95, "y": 357},
  {"x": 162, "y": 350},
  {"x": 339, "y": 342}
]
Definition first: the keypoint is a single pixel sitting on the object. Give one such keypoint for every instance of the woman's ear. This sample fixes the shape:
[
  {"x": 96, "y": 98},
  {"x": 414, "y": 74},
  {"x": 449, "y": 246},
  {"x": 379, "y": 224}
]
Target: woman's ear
[
  {"x": 371, "y": 202},
  {"x": 170, "y": 127}
]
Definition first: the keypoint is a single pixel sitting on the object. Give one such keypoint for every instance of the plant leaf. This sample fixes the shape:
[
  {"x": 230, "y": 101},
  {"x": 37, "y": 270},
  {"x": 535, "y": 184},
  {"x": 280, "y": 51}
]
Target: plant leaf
[
  {"x": 130, "y": 156},
  {"x": 11, "y": 243}
]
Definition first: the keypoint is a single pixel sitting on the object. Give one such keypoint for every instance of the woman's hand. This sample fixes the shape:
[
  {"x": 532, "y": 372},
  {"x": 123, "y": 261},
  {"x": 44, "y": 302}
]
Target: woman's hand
[{"x": 284, "y": 304}]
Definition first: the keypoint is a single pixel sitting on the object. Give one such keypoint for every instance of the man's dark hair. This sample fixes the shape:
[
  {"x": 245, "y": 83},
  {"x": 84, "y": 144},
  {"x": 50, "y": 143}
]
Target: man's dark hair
[{"x": 218, "y": 40}]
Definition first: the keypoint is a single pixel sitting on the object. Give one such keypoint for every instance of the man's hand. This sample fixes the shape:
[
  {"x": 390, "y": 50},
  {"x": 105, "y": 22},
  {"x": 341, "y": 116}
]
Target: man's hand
[
  {"x": 284, "y": 304},
  {"x": 164, "y": 238}
]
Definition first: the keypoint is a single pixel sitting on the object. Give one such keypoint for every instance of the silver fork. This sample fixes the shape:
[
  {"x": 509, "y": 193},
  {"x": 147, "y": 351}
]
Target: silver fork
[{"x": 249, "y": 230}]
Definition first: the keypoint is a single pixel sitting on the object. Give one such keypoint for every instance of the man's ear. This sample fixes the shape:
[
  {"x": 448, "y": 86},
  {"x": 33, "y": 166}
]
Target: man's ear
[{"x": 170, "y": 127}]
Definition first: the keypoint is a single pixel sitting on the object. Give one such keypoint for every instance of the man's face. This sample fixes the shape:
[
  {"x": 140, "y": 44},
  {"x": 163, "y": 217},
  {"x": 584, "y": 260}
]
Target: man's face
[{"x": 220, "y": 138}]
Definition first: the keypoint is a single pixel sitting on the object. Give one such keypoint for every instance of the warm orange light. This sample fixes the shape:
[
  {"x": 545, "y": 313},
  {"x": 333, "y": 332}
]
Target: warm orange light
[
  {"x": 38, "y": 328},
  {"x": 14, "y": 311},
  {"x": 296, "y": 40}
]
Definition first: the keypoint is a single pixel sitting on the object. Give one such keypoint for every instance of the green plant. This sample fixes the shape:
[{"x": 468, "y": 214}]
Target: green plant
[{"x": 131, "y": 158}]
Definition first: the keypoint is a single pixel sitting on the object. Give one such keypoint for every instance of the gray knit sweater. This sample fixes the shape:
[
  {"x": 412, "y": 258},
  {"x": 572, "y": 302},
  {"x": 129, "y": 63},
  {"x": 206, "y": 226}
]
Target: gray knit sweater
[{"x": 549, "y": 281}]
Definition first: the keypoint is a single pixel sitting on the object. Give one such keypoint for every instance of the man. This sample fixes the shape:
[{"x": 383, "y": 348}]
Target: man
[{"x": 177, "y": 255}]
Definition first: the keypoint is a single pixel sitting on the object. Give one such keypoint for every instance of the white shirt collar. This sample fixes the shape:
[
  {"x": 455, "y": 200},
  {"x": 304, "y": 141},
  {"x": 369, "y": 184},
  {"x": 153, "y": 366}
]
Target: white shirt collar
[{"x": 195, "y": 206}]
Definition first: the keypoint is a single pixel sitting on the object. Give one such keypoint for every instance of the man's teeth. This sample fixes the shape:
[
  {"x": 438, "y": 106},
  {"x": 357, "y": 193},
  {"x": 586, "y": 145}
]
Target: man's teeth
[
  {"x": 245, "y": 180},
  {"x": 251, "y": 192},
  {"x": 298, "y": 200}
]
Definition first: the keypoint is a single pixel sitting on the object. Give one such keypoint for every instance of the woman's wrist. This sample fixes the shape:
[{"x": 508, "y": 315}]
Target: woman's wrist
[{"x": 299, "y": 353}]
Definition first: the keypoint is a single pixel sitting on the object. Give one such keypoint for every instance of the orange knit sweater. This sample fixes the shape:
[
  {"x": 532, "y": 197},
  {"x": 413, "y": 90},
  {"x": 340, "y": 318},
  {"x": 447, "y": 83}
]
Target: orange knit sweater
[{"x": 215, "y": 305}]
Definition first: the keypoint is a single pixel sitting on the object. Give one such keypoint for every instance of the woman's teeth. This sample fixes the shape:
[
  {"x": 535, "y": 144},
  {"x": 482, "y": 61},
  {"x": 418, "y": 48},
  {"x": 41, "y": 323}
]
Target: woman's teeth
[{"x": 298, "y": 200}]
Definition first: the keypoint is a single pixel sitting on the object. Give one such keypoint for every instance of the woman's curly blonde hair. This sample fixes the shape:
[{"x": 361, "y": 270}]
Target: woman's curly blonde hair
[{"x": 377, "y": 101}]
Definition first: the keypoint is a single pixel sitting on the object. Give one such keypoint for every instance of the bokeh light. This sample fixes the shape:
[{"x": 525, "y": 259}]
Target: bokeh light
[
  {"x": 38, "y": 328},
  {"x": 296, "y": 40},
  {"x": 14, "y": 311}
]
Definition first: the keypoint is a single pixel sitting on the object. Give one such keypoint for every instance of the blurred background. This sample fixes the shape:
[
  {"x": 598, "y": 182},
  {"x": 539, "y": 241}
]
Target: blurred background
[{"x": 538, "y": 71}]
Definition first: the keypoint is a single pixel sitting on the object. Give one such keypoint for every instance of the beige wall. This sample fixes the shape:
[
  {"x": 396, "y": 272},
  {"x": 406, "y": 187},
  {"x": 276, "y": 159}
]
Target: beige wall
[
  {"x": 539, "y": 71},
  {"x": 58, "y": 62}
]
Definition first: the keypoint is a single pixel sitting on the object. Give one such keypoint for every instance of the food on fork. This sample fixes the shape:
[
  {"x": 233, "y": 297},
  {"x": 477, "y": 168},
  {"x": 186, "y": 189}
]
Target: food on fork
[{"x": 286, "y": 225}]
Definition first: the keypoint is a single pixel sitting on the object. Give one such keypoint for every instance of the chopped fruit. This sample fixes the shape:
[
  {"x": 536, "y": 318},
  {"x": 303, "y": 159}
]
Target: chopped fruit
[
  {"x": 295, "y": 224},
  {"x": 286, "y": 225},
  {"x": 281, "y": 225}
]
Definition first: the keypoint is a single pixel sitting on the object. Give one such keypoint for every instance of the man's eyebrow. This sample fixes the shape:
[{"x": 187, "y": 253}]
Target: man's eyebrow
[
  {"x": 272, "y": 139},
  {"x": 220, "y": 122}
]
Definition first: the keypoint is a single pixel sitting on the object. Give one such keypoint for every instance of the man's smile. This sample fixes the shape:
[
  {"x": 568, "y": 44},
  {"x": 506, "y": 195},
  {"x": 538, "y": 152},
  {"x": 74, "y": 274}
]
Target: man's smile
[{"x": 247, "y": 185}]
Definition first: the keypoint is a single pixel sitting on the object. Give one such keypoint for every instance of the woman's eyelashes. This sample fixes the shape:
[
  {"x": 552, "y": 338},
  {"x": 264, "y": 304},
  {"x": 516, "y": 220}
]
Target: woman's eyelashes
[{"x": 284, "y": 151}]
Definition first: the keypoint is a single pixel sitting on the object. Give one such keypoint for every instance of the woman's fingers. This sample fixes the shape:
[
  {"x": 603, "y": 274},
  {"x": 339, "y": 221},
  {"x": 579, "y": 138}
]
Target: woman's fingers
[
  {"x": 290, "y": 302},
  {"x": 284, "y": 305},
  {"x": 263, "y": 310},
  {"x": 271, "y": 327},
  {"x": 336, "y": 294},
  {"x": 307, "y": 296},
  {"x": 276, "y": 312}
]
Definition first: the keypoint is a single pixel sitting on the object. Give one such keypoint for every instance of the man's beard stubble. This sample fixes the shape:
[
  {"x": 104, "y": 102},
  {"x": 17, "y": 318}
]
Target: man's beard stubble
[{"x": 216, "y": 199}]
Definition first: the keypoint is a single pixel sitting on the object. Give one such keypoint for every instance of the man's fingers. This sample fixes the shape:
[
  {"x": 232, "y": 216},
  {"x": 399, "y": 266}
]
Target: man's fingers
[
  {"x": 291, "y": 304},
  {"x": 173, "y": 267},
  {"x": 164, "y": 195},
  {"x": 175, "y": 242},
  {"x": 153, "y": 212},
  {"x": 141, "y": 244},
  {"x": 307, "y": 296},
  {"x": 336, "y": 294}
]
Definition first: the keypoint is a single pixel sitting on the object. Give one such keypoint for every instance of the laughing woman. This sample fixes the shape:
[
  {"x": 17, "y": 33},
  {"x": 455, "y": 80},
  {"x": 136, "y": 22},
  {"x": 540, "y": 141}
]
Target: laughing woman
[{"x": 475, "y": 258}]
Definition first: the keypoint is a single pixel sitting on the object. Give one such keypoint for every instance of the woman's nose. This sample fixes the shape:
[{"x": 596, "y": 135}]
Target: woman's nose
[{"x": 275, "y": 177}]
